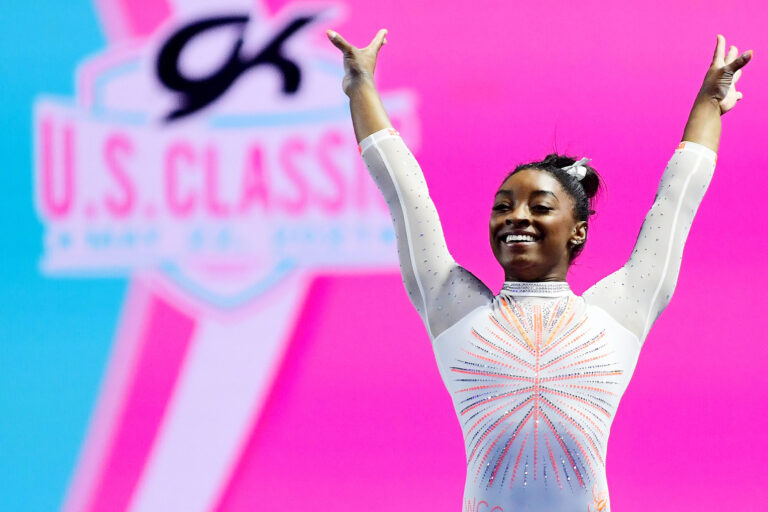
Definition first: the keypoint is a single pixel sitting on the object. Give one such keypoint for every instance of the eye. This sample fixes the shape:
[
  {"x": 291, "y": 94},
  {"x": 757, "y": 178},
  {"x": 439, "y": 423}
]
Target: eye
[
  {"x": 542, "y": 208},
  {"x": 499, "y": 207}
]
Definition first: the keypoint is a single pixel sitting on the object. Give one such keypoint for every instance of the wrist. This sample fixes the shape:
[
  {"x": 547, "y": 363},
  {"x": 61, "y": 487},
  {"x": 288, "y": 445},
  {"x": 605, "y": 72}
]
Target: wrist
[
  {"x": 359, "y": 85},
  {"x": 706, "y": 102}
]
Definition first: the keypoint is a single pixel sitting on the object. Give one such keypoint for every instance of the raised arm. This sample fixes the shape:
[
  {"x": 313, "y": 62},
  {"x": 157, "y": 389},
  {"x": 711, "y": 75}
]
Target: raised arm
[
  {"x": 441, "y": 291},
  {"x": 636, "y": 294}
]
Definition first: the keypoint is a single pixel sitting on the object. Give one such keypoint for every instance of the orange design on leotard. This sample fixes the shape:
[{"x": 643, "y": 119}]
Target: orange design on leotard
[
  {"x": 542, "y": 373},
  {"x": 599, "y": 500}
]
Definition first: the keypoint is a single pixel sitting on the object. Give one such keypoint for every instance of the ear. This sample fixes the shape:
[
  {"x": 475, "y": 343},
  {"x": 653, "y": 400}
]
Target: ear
[{"x": 579, "y": 233}]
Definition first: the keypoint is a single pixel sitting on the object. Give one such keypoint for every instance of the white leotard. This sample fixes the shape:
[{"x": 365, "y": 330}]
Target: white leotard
[{"x": 536, "y": 372}]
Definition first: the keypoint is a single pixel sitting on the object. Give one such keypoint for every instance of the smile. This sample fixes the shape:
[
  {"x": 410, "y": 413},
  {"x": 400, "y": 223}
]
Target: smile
[{"x": 519, "y": 239}]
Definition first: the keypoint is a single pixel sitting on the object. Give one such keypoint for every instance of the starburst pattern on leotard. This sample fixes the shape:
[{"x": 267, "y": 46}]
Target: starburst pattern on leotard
[{"x": 536, "y": 393}]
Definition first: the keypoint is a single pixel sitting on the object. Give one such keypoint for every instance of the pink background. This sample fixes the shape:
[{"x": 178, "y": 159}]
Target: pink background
[{"x": 359, "y": 419}]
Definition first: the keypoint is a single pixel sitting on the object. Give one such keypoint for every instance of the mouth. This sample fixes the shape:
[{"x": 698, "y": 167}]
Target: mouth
[{"x": 518, "y": 240}]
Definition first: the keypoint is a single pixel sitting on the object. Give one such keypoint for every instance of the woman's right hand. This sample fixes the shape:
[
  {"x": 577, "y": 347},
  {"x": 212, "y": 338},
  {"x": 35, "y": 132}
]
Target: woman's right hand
[{"x": 359, "y": 63}]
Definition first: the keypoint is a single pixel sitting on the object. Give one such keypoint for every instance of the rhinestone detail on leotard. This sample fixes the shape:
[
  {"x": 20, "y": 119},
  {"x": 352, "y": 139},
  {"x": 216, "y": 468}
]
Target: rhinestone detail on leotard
[
  {"x": 497, "y": 353},
  {"x": 537, "y": 288}
]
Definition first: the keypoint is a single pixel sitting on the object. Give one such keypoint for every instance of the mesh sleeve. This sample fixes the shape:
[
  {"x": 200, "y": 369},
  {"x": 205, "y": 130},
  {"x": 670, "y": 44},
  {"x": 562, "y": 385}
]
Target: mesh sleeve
[
  {"x": 636, "y": 294},
  {"x": 441, "y": 291}
]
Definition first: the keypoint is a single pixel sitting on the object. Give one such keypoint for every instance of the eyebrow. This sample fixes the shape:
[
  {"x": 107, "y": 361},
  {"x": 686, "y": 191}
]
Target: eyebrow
[{"x": 535, "y": 192}]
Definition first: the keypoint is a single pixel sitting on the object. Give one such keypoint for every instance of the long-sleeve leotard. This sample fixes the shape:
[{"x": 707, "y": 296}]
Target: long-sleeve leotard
[
  {"x": 536, "y": 373},
  {"x": 637, "y": 293},
  {"x": 440, "y": 289},
  {"x": 443, "y": 292}
]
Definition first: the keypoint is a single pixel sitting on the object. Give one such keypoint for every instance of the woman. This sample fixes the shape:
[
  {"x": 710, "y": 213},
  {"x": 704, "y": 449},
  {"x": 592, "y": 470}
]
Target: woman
[{"x": 536, "y": 372}]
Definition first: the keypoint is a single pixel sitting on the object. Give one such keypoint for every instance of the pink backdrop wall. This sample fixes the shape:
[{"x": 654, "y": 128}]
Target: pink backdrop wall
[
  {"x": 358, "y": 418},
  {"x": 501, "y": 83}
]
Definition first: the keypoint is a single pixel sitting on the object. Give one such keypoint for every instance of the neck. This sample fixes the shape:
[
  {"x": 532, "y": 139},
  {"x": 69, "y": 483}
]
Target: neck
[
  {"x": 525, "y": 279},
  {"x": 555, "y": 275},
  {"x": 528, "y": 271}
]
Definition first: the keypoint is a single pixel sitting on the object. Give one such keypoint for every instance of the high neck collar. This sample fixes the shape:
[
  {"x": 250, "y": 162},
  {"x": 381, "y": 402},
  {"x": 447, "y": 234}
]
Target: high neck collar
[{"x": 536, "y": 288}]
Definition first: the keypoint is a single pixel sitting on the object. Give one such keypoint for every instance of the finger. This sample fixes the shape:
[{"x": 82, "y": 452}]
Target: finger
[
  {"x": 733, "y": 52},
  {"x": 717, "y": 58},
  {"x": 736, "y": 76},
  {"x": 378, "y": 39},
  {"x": 338, "y": 41},
  {"x": 740, "y": 61},
  {"x": 739, "y": 96}
]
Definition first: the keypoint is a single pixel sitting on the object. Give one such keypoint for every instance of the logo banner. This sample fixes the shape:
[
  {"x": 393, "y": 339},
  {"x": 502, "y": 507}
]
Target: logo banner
[{"x": 208, "y": 155}]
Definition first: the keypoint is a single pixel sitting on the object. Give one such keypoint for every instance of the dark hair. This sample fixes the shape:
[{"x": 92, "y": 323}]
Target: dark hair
[{"x": 582, "y": 191}]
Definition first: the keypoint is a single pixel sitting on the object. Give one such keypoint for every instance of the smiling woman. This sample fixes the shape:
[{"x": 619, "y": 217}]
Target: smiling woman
[
  {"x": 536, "y": 372},
  {"x": 542, "y": 206}
]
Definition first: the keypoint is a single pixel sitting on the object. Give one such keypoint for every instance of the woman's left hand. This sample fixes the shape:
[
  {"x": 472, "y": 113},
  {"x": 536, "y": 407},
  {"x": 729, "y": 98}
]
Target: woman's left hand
[{"x": 720, "y": 81}]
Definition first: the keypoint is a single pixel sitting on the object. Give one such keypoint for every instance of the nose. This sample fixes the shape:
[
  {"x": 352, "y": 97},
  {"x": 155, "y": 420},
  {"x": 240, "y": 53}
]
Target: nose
[{"x": 519, "y": 215}]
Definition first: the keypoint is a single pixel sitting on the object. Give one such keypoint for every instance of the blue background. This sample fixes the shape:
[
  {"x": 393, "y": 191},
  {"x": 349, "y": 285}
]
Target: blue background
[{"x": 55, "y": 334}]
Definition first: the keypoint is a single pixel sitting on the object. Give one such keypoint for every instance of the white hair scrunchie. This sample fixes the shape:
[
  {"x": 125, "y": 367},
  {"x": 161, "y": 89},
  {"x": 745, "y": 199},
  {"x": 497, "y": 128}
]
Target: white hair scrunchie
[{"x": 577, "y": 169}]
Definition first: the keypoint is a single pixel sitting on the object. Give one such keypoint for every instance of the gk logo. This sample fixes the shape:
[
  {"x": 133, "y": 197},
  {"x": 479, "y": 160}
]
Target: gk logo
[{"x": 196, "y": 94}]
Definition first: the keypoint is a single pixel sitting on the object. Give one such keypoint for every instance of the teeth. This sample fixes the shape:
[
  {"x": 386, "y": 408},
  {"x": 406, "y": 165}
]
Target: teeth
[{"x": 519, "y": 238}]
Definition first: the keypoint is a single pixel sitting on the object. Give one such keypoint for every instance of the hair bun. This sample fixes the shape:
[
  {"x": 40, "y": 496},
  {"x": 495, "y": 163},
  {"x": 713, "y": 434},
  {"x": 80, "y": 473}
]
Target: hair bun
[{"x": 590, "y": 182}]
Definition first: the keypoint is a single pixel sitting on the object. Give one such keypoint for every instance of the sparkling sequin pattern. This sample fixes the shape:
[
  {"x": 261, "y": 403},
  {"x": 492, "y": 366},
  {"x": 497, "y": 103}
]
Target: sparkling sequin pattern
[
  {"x": 538, "y": 288},
  {"x": 537, "y": 386},
  {"x": 536, "y": 373}
]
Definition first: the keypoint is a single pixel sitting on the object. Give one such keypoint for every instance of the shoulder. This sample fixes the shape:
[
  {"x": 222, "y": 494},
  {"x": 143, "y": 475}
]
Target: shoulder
[
  {"x": 467, "y": 321},
  {"x": 613, "y": 327}
]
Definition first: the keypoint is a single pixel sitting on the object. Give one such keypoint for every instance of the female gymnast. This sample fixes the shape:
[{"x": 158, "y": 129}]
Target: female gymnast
[{"x": 536, "y": 372}]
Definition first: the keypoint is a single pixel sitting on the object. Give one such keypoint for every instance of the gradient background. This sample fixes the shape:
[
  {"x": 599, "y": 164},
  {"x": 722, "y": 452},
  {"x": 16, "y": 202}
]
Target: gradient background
[{"x": 358, "y": 418}]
